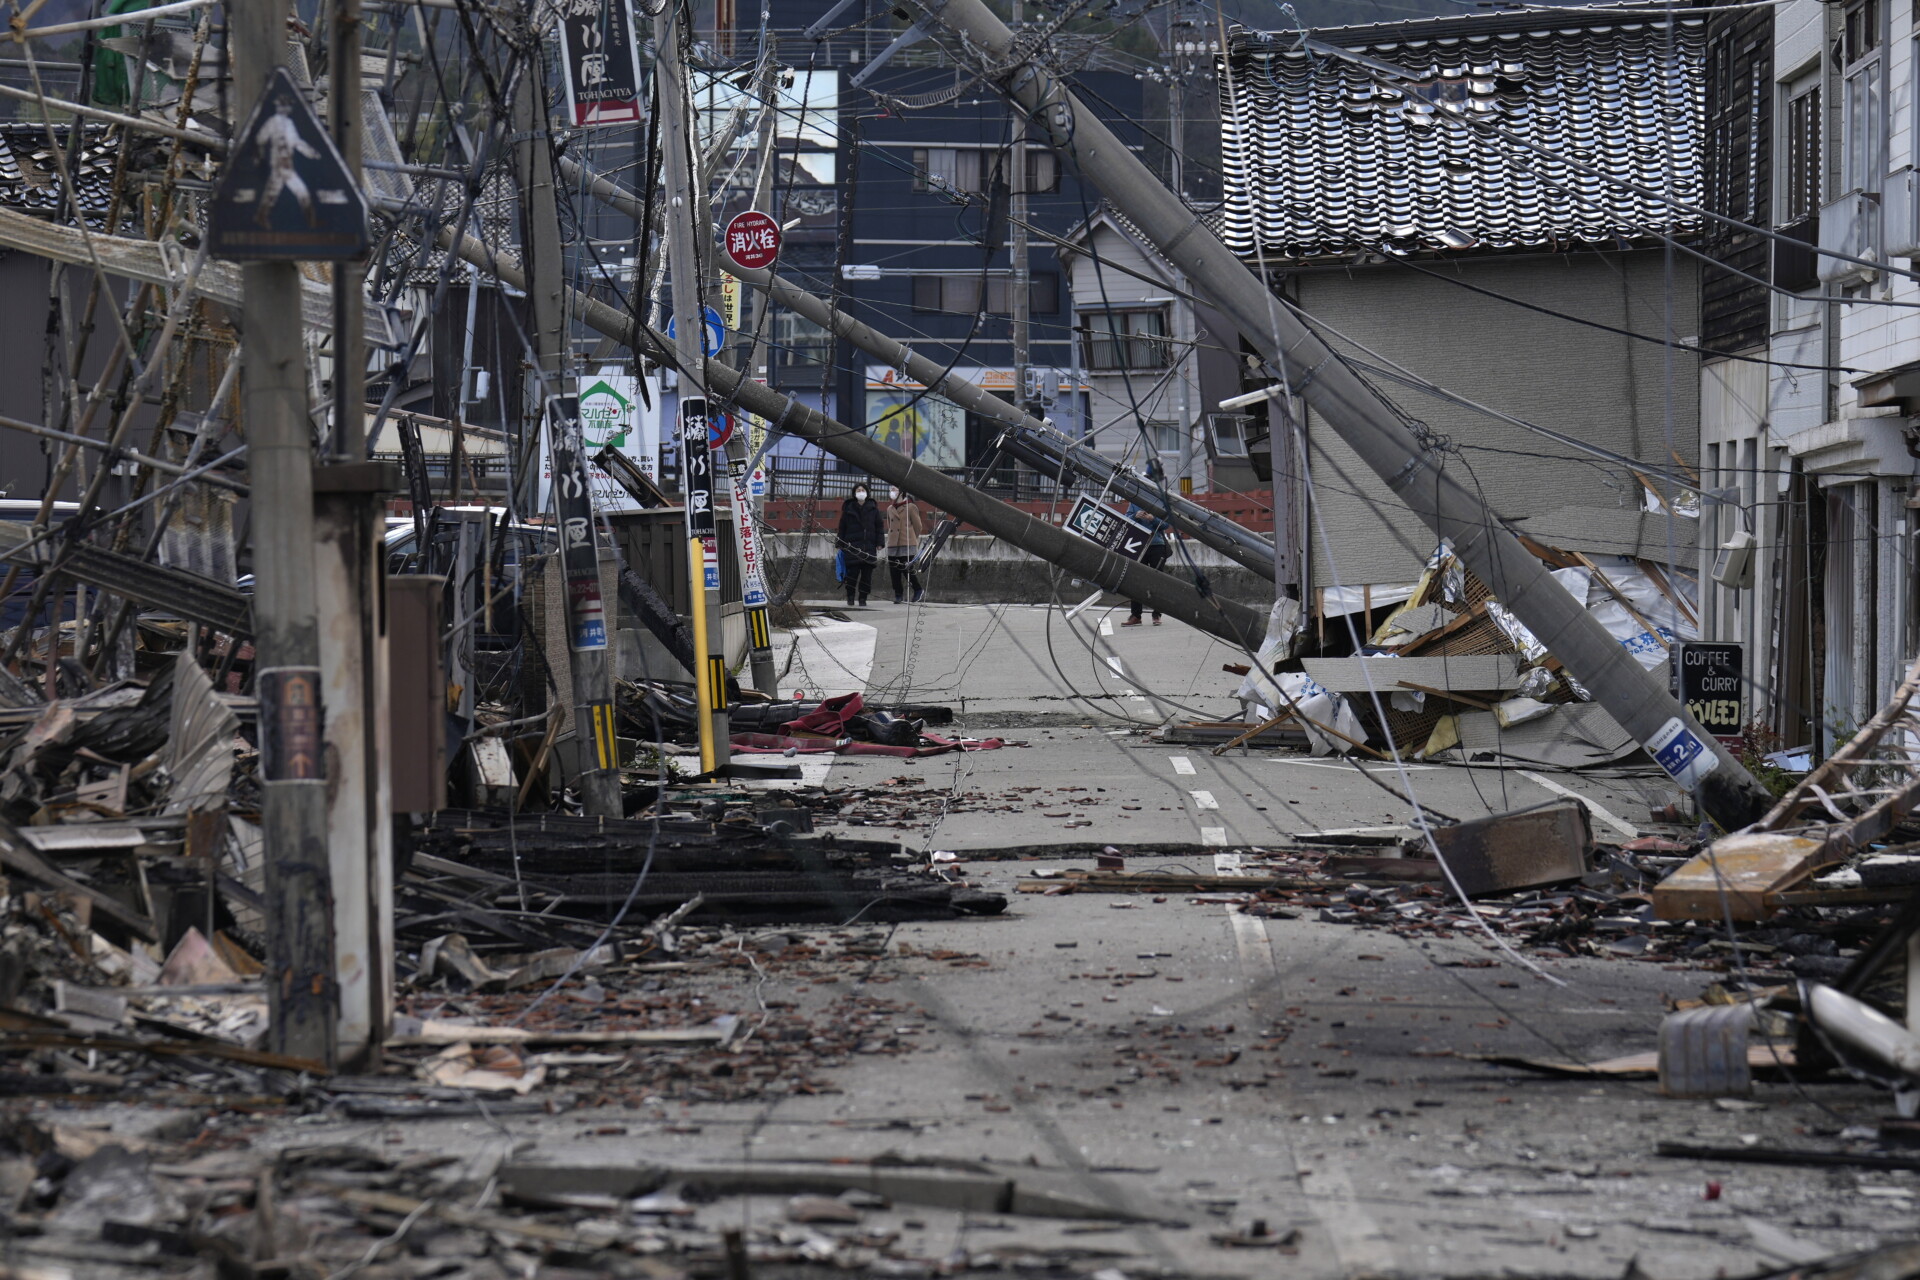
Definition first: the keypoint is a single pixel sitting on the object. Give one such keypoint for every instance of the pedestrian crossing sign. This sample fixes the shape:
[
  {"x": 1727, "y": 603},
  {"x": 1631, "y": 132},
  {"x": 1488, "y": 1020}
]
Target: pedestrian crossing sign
[{"x": 285, "y": 194}]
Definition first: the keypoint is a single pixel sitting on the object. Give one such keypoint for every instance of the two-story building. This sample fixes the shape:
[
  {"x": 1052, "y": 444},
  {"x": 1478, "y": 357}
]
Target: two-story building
[{"x": 1809, "y": 433}]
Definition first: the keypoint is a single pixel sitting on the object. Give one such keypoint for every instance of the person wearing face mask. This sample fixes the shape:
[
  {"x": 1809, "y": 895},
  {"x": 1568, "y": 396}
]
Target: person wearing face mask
[
  {"x": 904, "y": 527},
  {"x": 862, "y": 532}
]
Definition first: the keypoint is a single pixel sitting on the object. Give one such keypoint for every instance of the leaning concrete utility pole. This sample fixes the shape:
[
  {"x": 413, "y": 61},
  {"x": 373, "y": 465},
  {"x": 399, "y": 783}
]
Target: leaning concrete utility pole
[
  {"x": 1021, "y": 278},
  {"x": 301, "y": 995},
  {"x": 696, "y": 458},
  {"x": 1412, "y": 470},
  {"x": 746, "y": 529},
  {"x": 1033, "y": 441},
  {"x": 348, "y": 501},
  {"x": 596, "y": 771}
]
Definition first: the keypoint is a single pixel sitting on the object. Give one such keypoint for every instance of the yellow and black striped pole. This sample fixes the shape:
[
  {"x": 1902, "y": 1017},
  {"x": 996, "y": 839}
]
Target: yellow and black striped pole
[{"x": 704, "y": 686}]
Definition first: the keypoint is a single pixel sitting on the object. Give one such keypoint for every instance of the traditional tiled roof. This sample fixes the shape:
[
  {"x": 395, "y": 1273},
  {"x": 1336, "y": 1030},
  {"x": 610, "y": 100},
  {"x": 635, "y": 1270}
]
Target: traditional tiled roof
[
  {"x": 1326, "y": 158},
  {"x": 29, "y": 180}
]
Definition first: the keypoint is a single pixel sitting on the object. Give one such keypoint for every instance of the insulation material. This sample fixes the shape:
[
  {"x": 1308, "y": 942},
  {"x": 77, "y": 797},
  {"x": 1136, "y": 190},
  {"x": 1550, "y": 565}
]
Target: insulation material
[
  {"x": 1648, "y": 600},
  {"x": 1311, "y": 703},
  {"x": 1284, "y": 631}
]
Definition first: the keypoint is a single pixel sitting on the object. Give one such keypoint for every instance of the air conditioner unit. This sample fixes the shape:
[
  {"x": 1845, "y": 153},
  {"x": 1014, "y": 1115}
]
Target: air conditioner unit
[
  {"x": 1733, "y": 566},
  {"x": 1850, "y": 225},
  {"x": 1900, "y": 213}
]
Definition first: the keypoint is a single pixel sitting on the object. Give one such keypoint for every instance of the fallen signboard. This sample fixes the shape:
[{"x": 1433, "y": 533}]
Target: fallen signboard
[{"x": 1105, "y": 527}]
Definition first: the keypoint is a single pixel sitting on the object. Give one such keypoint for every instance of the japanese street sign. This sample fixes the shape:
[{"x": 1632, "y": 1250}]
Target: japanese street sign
[
  {"x": 1105, "y": 527},
  {"x": 285, "y": 194},
  {"x": 601, "y": 55},
  {"x": 712, "y": 338},
  {"x": 292, "y": 724},
  {"x": 752, "y": 240},
  {"x": 573, "y": 512},
  {"x": 753, "y": 591},
  {"x": 719, "y": 430},
  {"x": 615, "y": 413},
  {"x": 710, "y": 563},
  {"x": 730, "y": 301},
  {"x": 1710, "y": 680},
  {"x": 1676, "y": 749},
  {"x": 696, "y": 464}
]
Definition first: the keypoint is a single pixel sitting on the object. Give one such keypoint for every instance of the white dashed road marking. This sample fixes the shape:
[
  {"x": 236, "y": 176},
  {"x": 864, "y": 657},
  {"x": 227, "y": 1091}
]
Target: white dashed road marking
[
  {"x": 1204, "y": 800},
  {"x": 1181, "y": 764}
]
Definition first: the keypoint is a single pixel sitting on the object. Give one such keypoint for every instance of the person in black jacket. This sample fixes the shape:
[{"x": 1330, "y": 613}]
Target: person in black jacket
[{"x": 862, "y": 531}]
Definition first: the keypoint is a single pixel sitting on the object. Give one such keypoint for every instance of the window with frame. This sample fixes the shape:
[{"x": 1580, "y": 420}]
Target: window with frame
[
  {"x": 1860, "y": 132},
  {"x": 1230, "y": 433},
  {"x": 1168, "y": 437},
  {"x": 972, "y": 170},
  {"x": 1126, "y": 339},
  {"x": 796, "y": 342},
  {"x": 960, "y": 294},
  {"x": 1800, "y": 193}
]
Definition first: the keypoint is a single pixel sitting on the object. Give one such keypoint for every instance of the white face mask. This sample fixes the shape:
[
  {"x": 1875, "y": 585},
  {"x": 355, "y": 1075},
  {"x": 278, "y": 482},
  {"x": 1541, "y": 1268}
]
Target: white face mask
[{"x": 859, "y": 495}]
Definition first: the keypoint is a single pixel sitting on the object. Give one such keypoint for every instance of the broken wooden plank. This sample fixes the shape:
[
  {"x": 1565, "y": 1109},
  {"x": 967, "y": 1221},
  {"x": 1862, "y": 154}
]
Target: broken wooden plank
[
  {"x": 17, "y": 854},
  {"x": 17, "y": 1041},
  {"x": 1735, "y": 874},
  {"x": 1448, "y": 694},
  {"x": 434, "y": 1032},
  {"x": 1634, "y": 1066}
]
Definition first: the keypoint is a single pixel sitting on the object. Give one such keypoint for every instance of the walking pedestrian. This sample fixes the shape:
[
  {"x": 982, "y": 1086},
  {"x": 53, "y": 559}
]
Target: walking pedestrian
[
  {"x": 1159, "y": 551},
  {"x": 861, "y": 534},
  {"x": 904, "y": 527}
]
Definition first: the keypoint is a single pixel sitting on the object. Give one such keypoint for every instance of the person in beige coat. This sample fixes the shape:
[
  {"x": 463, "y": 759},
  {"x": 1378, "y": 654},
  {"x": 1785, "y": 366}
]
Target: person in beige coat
[{"x": 904, "y": 527}]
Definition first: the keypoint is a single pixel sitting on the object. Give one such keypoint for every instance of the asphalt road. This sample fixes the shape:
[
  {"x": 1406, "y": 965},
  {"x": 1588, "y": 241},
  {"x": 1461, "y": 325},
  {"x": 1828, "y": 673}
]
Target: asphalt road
[{"x": 1201, "y": 1069}]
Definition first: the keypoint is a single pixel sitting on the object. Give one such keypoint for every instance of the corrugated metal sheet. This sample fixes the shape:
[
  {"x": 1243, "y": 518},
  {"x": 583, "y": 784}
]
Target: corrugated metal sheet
[{"x": 1323, "y": 159}]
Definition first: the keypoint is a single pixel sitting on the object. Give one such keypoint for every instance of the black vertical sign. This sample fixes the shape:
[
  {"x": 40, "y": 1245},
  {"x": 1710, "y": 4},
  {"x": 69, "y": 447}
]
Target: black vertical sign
[
  {"x": 601, "y": 54},
  {"x": 1712, "y": 683},
  {"x": 573, "y": 510},
  {"x": 696, "y": 464}
]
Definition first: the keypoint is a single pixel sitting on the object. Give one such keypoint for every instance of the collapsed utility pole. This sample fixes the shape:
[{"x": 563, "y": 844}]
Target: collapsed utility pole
[
  {"x": 301, "y": 995},
  {"x": 1212, "y": 614},
  {"x": 1412, "y": 469},
  {"x": 1031, "y": 440},
  {"x": 597, "y": 767},
  {"x": 696, "y": 455}
]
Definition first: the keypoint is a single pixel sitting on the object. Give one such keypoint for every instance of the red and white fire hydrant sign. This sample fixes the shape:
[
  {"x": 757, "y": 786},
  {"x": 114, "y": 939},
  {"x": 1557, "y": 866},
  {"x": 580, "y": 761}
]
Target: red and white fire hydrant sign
[{"x": 753, "y": 240}]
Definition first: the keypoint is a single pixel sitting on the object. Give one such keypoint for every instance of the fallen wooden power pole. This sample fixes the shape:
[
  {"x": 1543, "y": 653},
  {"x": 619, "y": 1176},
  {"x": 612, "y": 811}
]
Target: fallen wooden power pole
[
  {"x": 1227, "y": 619},
  {"x": 1412, "y": 468}
]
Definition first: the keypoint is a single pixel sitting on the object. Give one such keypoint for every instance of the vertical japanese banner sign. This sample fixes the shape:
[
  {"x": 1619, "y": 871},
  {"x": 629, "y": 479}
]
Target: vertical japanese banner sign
[
  {"x": 601, "y": 54},
  {"x": 573, "y": 511},
  {"x": 753, "y": 592},
  {"x": 696, "y": 465},
  {"x": 292, "y": 725}
]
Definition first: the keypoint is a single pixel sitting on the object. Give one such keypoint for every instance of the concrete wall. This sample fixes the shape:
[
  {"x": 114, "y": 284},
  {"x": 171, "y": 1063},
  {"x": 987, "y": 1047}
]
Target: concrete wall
[
  {"x": 1628, "y": 395},
  {"x": 980, "y": 569}
]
